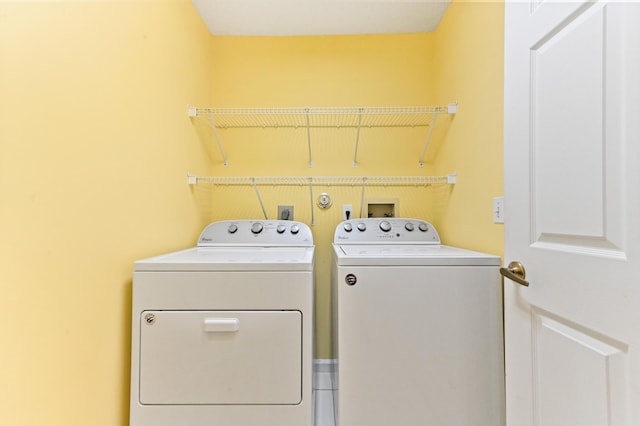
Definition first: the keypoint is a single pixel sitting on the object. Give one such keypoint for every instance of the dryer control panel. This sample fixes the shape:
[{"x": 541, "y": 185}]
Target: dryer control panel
[
  {"x": 256, "y": 233},
  {"x": 386, "y": 230}
]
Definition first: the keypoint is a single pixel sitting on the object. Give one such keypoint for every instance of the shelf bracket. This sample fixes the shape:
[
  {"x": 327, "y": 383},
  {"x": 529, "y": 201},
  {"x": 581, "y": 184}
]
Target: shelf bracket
[
  {"x": 217, "y": 135},
  {"x": 426, "y": 143},
  {"x": 364, "y": 187},
  {"x": 355, "y": 155},
  {"x": 309, "y": 137},
  {"x": 193, "y": 112},
  {"x": 255, "y": 188},
  {"x": 451, "y": 109},
  {"x": 313, "y": 216}
]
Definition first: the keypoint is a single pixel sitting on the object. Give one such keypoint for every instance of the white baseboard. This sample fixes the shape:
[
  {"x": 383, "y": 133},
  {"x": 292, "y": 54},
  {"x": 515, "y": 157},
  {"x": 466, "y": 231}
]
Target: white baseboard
[
  {"x": 324, "y": 374},
  {"x": 324, "y": 365}
]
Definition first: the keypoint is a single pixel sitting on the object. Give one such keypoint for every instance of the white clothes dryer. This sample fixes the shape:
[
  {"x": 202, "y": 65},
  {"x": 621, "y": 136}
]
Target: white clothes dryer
[
  {"x": 222, "y": 332},
  {"x": 417, "y": 328}
]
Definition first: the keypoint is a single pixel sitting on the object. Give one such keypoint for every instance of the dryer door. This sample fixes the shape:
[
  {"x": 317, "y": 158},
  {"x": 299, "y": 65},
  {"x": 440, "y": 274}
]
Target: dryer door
[{"x": 220, "y": 357}]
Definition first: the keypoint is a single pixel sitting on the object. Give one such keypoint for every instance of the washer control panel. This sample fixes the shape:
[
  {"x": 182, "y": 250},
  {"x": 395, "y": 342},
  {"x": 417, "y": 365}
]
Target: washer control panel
[
  {"x": 385, "y": 230},
  {"x": 256, "y": 233}
]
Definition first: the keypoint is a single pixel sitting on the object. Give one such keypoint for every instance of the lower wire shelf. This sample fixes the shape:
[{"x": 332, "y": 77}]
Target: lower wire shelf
[{"x": 361, "y": 182}]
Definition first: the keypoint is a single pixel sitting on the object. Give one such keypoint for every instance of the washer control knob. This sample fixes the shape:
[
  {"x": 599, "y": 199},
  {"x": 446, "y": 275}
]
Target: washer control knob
[
  {"x": 362, "y": 227},
  {"x": 280, "y": 229},
  {"x": 232, "y": 229},
  {"x": 423, "y": 227},
  {"x": 347, "y": 227},
  {"x": 295, "y": 229},
  {"x": 385, "y": 226},
  {"x": 256, "y": 228},
  {"x": 409, "y": 226}
]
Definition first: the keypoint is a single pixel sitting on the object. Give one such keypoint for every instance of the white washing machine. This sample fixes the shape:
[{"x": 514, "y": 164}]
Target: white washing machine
[
  {"x": 417, "y": 328},
  {"x": 222, "y": 332}
]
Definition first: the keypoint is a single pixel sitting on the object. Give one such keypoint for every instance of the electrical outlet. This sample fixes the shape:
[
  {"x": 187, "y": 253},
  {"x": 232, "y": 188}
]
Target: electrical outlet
[
  {"x": 347, "y": 211},
  {"x": 285, "y": 212},
  {"x": 498, "y": 210}
]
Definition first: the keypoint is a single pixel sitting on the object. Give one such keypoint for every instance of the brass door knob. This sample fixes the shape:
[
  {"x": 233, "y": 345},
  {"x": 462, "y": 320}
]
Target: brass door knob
[{"x": 515, "y": 272}]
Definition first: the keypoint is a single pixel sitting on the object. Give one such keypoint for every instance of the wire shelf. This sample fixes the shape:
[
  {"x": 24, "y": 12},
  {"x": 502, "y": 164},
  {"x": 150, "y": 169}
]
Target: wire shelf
[
  {"x": 310, "y": 118},
  {"x": 324, "y": 180},
  {"x": 322, "y": 117}
]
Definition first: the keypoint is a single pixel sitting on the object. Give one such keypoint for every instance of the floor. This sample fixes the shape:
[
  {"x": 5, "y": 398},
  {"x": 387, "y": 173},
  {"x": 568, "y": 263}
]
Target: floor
[{"x": 325, "y": 395}]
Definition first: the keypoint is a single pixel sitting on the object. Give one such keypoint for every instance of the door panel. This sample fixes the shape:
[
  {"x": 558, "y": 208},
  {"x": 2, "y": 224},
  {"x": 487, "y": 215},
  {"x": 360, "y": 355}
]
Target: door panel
[
  {"x": 574, "y": 153},
  {"x": 579, "y": 377},
  {"x": 572, "y": 103},
  {"x": 568, "y": 194}
]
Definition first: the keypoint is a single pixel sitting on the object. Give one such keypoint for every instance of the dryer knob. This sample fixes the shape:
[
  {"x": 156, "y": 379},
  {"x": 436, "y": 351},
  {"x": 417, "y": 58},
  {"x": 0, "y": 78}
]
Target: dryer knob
[
  {"x": 409, "y": 226},
  {"x": 362, "y": 227},
  {"x": 385, "y": 226},
  {"x": 295, "y": 229},
  {"x": 347, "y": 227},
  {"x": 280, "y": 229},
  {"x": 232, "y": 229},
  {"x": 256, "y": 228},
  {"x": 423, "y": 227}
]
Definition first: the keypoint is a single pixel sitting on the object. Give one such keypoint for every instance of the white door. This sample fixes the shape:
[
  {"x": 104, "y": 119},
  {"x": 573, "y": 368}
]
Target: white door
[{"x": 572, "y": 204}]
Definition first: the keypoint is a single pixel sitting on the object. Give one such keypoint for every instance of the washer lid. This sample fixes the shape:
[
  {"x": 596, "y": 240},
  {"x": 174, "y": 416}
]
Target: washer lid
[
  {"x": 409, "y": 255},
  {"x": 232, "y": 259}
]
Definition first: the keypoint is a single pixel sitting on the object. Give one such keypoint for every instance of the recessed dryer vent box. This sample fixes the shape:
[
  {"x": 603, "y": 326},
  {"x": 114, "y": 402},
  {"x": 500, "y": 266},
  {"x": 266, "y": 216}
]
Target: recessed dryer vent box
[{"x": 381, "y": 207}]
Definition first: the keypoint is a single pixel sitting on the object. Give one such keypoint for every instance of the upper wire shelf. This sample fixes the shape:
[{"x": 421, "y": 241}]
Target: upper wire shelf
[
  {"x": 323, "y": 117},
  {"x": 324, "y": 180},
  {"x": 309, "y": 118}
]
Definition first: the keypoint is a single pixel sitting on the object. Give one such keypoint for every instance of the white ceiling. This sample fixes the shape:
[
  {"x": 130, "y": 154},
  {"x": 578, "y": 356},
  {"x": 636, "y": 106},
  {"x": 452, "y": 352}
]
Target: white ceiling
[{"x": 319, "y": 17}]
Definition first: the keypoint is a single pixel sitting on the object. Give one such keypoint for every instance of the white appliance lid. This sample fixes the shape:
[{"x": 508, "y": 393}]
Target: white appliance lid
[
  {"x": 409, "y": 254},
  {"x": 232, "y": 259}
]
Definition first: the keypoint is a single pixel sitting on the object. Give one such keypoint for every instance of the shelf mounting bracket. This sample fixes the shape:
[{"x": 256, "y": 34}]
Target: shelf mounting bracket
[
  {"x": 426, "y": 142},
  {"x": 217, "y": 135},
  {"x": 309, "y": 137},
  {"x": 355, "y": 155},
  {"x": 193, "y": 112}
]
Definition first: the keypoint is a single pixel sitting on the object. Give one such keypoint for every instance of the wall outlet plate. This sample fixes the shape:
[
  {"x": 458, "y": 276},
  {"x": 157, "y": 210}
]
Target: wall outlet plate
[
  {"x": 347, "y": 211},
  {"x": 498, "y": 210},
  {"x": 285, "y": 213}
]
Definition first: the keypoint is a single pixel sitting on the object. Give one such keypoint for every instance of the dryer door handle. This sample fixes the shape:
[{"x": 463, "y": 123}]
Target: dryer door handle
[{"x": 221, "y": 325}]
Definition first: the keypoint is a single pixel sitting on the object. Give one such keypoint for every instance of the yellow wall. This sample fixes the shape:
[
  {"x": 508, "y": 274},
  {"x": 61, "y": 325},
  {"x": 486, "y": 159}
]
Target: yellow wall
[
  {"x": 95, "y": 144},
  {"x": 469, "y": 55}
]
